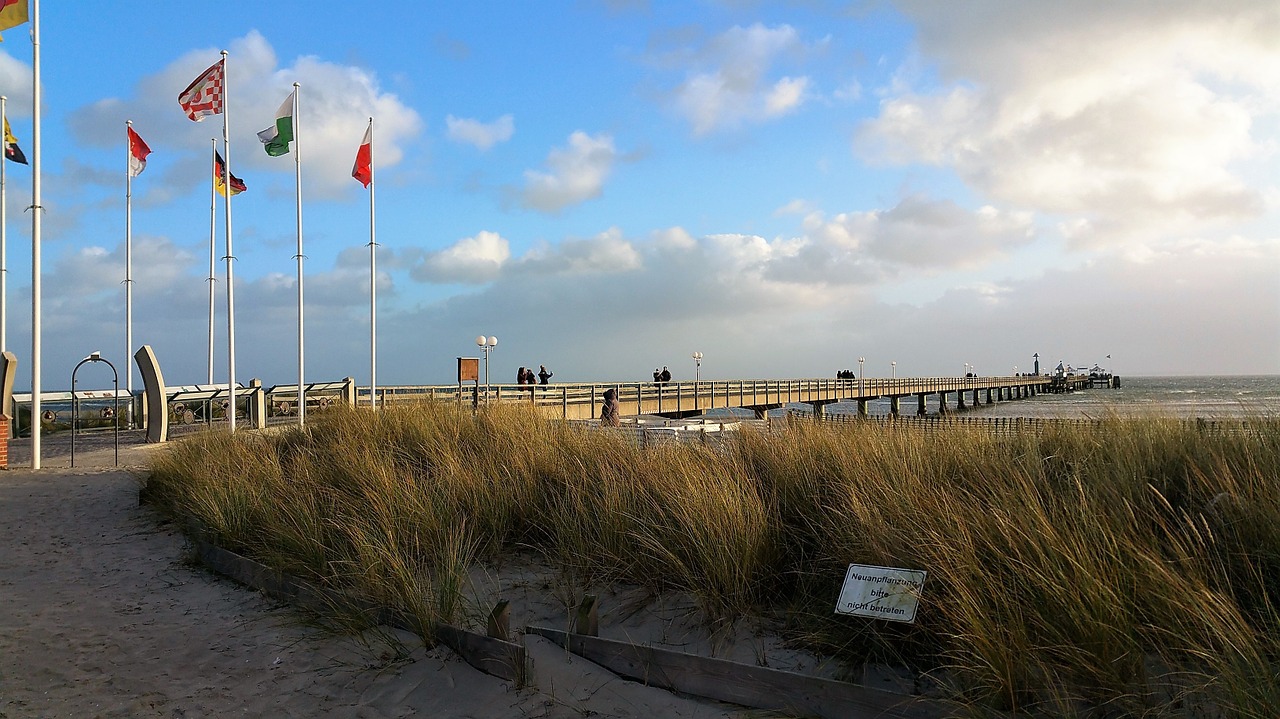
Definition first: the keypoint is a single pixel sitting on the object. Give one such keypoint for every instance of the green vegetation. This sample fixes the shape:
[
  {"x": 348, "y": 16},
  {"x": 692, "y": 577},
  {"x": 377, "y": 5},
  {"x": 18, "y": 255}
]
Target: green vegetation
[{"x": 1128, "y": 569}]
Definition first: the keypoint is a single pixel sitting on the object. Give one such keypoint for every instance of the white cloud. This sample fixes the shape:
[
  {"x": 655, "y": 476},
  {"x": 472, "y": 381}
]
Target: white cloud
[
  {"x": 470, "y": 260},
  {"x": 1137, "y": 120},
  {"x": 480, "y": 134},
  {"x": 728, "y": 80},
  {"x": 574, "y": 174}
]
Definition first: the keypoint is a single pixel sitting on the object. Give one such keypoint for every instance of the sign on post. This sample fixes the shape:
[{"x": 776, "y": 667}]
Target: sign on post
[
  {"x": 881, "y": 593},
  {"x": 468, "y": 369}
]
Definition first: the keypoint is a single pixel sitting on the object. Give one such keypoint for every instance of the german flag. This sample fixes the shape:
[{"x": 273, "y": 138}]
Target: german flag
[{"x": 237, "y": 185}]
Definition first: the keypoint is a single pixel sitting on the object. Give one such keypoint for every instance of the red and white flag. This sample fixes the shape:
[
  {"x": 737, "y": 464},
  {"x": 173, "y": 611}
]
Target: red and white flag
[
  {"x": 363, "y": 170},
  {"x": 203, "y": 97},
  {"x": 138, "y": 152}
]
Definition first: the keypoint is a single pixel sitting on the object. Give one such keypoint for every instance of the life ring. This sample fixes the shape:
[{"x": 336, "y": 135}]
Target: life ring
[
  {"x": 108, "y": 412},
  {"x": 48, "y": 415}
]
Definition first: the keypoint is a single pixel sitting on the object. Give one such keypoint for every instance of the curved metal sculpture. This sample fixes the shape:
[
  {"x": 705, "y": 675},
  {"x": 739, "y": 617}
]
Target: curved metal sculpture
[{"x": 154, "y": 394}]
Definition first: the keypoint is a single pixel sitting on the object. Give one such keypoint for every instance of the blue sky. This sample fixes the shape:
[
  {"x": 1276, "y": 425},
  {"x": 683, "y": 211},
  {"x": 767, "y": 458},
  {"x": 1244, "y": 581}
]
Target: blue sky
[{"x": 609, "y": 186}]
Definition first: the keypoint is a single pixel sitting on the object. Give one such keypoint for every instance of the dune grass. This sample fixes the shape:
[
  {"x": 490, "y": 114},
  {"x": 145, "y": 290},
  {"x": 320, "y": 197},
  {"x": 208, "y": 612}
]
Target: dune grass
[{"x": 1127, "y": 569}]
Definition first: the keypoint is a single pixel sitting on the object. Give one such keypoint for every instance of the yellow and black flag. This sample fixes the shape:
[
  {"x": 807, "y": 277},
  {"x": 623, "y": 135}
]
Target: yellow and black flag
[
  {"x": 12, "y": 13},
  {"x": 11, "y": 149}
]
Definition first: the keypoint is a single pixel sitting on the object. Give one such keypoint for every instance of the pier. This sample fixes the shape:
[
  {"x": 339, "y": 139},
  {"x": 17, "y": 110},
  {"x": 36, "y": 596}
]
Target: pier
[
  {"x": 260, "y": 405},
  {"x": 677, "y": 400}
]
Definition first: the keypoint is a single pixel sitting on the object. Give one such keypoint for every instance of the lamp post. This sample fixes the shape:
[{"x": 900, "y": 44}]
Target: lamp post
[
  {"x": 485, "y": 344},
  {"x": 860, "y": 361},
  {"x": 697, "y": 366},
  {"x": 1015, "y": 370},
  {"x": 894, "y": 365}
]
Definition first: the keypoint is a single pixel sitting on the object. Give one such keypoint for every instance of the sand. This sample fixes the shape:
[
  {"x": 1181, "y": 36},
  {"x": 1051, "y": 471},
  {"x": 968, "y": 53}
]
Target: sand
[{"x": 103, "y": 615}]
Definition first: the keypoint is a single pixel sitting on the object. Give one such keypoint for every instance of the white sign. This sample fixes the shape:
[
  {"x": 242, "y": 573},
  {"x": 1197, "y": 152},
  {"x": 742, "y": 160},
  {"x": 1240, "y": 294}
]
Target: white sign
[{"x": 881, "y": 593}]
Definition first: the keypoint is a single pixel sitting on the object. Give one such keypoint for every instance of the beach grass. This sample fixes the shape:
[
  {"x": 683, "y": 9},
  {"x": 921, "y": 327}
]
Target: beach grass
[{"x": 1126, "y": 568}]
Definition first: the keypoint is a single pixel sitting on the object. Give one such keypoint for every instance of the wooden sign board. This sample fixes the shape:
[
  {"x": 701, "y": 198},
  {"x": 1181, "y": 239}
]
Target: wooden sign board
[
  {"x": 881, "y": 593},
  {"x": 468, "y": 369}
]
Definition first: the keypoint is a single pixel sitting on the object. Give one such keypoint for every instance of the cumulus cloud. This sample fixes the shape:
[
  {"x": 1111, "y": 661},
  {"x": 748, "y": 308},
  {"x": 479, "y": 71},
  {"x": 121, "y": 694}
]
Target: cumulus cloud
[
  {"x": 574, "y": 174},
  {"x": 469, "y": 260},
  {"x": 728, "y": 80},
  {"x": 858, "y": 248},
  {"x": 607, "y": 252},
  {"x": 1135, "y": 120},
  {"x": 480, "y": 134}
]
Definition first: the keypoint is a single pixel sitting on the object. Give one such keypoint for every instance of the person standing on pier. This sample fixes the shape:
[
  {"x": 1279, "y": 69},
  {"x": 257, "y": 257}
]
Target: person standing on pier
[
  {"x": 666, "y": 375},
  {"x": 543, "y": 375}
]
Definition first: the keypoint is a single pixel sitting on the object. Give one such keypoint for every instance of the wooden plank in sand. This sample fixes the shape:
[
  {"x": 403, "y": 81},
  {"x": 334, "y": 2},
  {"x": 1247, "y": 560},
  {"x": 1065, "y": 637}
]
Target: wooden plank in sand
[
  {"x": 503, "y": 659},
  {"x": 746, "y": 684}
]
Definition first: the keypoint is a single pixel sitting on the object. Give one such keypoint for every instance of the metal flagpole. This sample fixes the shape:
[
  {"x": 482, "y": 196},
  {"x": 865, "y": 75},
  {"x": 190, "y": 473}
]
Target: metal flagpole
[
  {"x": 297, "y": 181},
  {"x": 36, "y": 214},
  {"x": 213, "y": 249},
  {"x": 4, "y": 246},
  {"x": 128, "y": 268},
  {"x": 226, "y": 218},
  {"x": 373, "y": 288}
]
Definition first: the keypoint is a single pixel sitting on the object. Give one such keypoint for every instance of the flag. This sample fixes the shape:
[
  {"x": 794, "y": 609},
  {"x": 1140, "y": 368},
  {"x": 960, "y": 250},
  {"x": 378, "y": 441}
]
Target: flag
[
  {"x": 203, "y": 96},
  {"x": 363, "y": 170},
  {"x": 11, "y": 149},
  {"x": 138, "y": 152},
  {"x": 12, "y": 13},
  {"x": 276, "y": 138},
  {"x": 237, "y": 185}
]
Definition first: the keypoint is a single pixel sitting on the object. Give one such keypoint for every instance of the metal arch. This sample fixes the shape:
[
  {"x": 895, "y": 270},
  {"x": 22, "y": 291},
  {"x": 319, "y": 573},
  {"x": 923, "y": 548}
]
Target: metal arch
[{"x": 115, "y": 399}]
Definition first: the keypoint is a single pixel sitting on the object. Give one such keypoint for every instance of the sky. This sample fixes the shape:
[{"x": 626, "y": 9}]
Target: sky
[{"x": 608, "y": 187}]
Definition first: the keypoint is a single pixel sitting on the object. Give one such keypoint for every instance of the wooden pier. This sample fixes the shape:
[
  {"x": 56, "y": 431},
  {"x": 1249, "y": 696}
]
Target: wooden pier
[{"x": 685, "y": 399}]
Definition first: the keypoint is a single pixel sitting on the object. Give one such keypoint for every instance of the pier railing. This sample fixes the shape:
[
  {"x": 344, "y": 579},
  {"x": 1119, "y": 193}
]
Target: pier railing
[{"x": 582, "y": 401}]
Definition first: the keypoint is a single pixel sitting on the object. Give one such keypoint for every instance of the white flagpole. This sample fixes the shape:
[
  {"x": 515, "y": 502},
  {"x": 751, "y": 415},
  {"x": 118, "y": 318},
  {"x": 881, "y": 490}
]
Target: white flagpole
[
  {"x": 231, "y": 297},
  {"x": 297, "y": 181},
  {"x": 36, "y": 214},
  {"x": 128, "y": 267},
  {"x": 213, "y": 251},
  {"x": 373, "y": 287},
  {"x": 4, "y": 248}
]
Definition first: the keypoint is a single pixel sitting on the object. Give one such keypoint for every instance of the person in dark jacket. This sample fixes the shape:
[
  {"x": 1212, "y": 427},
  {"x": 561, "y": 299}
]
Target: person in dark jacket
[
  {"x": 610, "y": 411},
  {"x": 666, "y": 374},
  {"x": 520, "y": 375},
  {"x": 543, "y": 374}
]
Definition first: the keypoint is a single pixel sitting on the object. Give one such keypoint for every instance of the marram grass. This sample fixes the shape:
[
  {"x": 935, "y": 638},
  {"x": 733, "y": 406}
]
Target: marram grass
[{"x": 1130, "y": 569}]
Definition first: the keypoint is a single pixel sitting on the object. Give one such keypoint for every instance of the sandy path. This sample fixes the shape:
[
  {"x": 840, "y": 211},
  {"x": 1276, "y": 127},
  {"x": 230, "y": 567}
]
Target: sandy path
[{"x": 102, "y": 616}]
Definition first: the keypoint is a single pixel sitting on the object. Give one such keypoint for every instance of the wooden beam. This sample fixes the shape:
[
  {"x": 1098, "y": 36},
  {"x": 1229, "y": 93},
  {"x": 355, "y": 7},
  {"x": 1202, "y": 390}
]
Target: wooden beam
[
  {"x": 746, "y": 684},
  {"x": 500, "y": 658}
]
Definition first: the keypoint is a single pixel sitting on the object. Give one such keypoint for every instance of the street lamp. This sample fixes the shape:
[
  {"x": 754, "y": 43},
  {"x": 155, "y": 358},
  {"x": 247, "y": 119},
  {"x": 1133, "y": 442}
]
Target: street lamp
[
  {"x": 860, "y": 361},
  {"x": 1015, "y": 370},
  {"x": 894, "y": 365},
  {"x": 697, "y": 366},
  {"x": 486, "y": 344}
]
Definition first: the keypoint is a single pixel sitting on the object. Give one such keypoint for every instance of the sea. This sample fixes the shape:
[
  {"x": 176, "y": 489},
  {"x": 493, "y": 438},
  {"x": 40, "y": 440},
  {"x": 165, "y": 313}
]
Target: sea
[{"x": 1208, "y": 397}]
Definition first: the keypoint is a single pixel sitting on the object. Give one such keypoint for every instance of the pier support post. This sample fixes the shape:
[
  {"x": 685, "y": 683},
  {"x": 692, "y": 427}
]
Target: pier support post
[
  {"x": 893, "y": 405},
  {"x": 989, "y": 399},
  {"x": 862, "y": 408},
  {"x": 762, "y": 413},
  {"x": 960, "y": 404},
  {"x": 920, "y": 410},
  {"x": 942, "y": 402}
]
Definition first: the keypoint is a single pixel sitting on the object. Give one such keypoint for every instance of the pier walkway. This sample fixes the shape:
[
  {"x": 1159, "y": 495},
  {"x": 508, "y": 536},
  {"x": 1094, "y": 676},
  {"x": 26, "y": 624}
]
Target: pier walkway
[{"x": 684, "y": 399}]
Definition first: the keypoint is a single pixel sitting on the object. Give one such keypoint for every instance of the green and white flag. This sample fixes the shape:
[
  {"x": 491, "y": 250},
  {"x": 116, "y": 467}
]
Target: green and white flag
[{"x": 276, "y": 138}]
